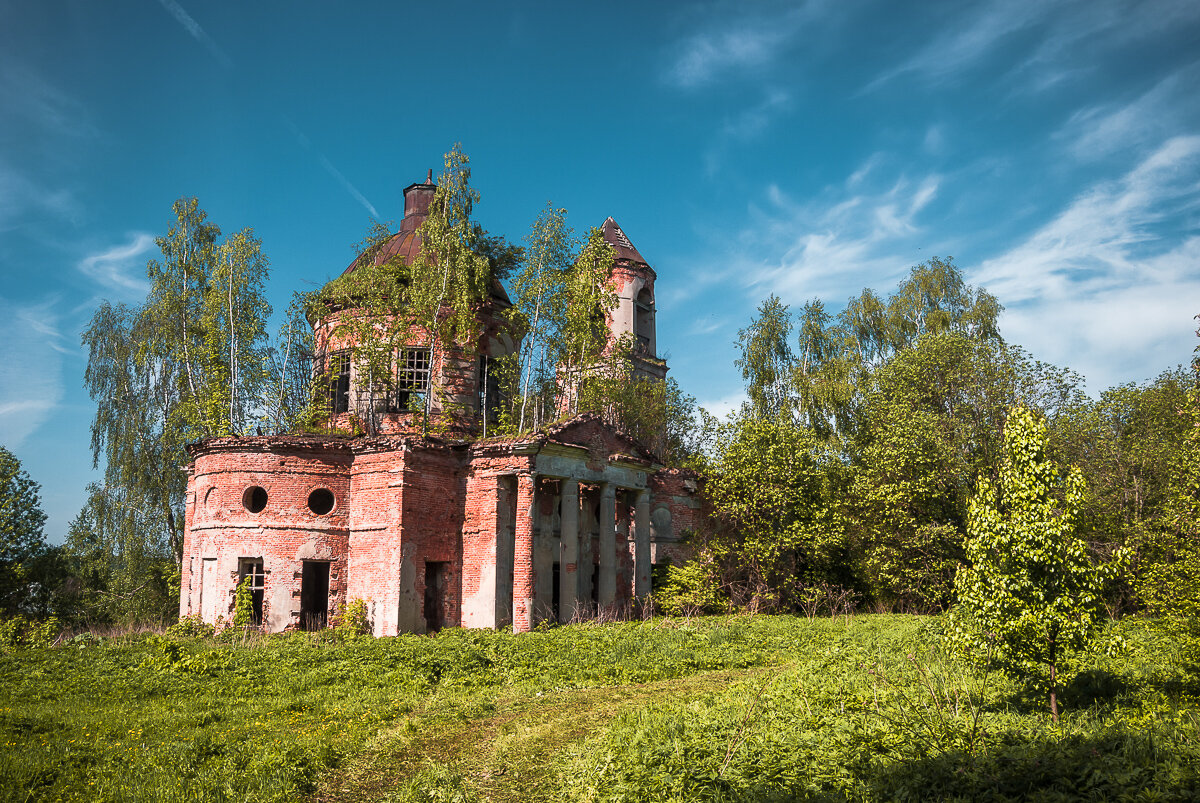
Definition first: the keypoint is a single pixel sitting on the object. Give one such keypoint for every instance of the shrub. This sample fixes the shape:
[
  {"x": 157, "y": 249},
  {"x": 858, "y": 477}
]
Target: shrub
[
  {"x": 20, "y": 631},
  {"x": 353, "y": 621}
]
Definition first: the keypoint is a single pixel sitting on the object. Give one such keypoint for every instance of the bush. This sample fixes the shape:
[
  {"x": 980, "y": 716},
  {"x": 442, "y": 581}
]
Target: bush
[
  {"x": 22, "y": 632},
  {"x": 353, "y": 621},
  {"x": 190, "y": 627}
]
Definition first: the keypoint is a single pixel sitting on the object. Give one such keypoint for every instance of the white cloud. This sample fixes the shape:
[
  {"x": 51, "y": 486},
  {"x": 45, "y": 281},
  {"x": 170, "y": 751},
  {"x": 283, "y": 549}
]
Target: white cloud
[
  {"x": 197, "y": 33},
  {"x": 964, "y": 44},
  {"x": 722, "y": 406},
  {"x": 31, "y": 382},
  {"x": 1098, "y": 131},
  {"x": 19, "y": 196},
  {"x": 118, "y": 269},
  {"x": 851, "y": 236},
  {"x": 737, "y": 42},
  {"x": 1099, "y": 288},
  {"x": 707, "y": 55}
]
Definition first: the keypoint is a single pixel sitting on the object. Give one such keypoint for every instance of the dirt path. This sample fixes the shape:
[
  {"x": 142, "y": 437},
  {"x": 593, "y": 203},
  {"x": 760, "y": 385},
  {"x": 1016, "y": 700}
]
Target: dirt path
[{"x": 508, "y": 755}]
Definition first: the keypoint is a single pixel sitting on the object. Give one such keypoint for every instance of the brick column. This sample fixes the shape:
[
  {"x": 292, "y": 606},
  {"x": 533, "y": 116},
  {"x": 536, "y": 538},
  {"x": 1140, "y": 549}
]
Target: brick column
[
  {"x": 523, "y": 555},
  {"x": 641, "y": 547},
  {"x": 568, "y": 560},
  {"x": 608, "y": 546}
]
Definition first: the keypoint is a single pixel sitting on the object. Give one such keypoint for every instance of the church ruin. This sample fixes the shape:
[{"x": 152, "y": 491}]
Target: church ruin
[{"x": 437, "y": 531}]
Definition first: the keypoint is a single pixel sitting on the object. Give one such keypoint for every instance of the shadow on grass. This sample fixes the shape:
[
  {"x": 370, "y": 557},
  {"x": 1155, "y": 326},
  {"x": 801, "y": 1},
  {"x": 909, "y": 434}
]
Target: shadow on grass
[{"x": 1112, "y": 766}]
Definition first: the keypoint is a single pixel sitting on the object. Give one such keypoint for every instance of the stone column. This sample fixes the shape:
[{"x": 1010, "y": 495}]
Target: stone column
[
  {"x": 641, "y": 547},
  {"x": 607, "y": 593},
  {"x": 568, "y": 556},
  {"x": 523, "y": 555}
]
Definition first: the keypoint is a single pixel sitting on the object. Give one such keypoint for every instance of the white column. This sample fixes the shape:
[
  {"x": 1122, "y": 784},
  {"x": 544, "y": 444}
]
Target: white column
[
  {"x": 568, "y": 560},
  {"x": 607, "y": 593},
  {"x": 641, "y": 547}
]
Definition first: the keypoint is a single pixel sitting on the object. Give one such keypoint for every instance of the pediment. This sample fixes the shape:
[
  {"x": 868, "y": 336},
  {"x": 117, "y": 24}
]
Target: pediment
[{"x": 603, "y": 441}]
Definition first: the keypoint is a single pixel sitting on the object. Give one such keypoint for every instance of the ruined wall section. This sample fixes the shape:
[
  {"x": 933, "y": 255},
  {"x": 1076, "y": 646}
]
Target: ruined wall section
[
  {"x": 376, "y": 486},
  {"x": 676, "y": 507},
  {"x": 431, "y": 510},
  {"x": 488, "y": 537},
  {"x": 249, "y": 499}
]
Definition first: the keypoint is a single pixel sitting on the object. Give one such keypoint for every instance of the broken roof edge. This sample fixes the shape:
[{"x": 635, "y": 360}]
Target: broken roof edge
[
  {"x": 549, "y": 434},
  {"x": 623, "y": 247}
]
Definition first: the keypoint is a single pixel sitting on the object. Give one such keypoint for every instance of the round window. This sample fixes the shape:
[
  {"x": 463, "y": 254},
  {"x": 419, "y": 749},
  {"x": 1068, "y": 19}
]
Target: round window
[
  {"x": 320, "y": 501},
  {"x": 254, "y": 498}
]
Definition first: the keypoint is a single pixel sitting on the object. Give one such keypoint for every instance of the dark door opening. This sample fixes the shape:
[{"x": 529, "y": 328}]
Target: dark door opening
[
  {"x": 314, "y": 594},
  {"x": 557, "y": 594},
  {"x": 435, "y": 595},
  {"x": 596, "y": 584}
]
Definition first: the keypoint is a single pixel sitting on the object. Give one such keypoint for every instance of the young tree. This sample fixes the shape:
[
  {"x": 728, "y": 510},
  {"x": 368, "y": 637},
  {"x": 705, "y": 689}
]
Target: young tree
[
  {"x": 540, "y": 300},
  {"x": 22, "y": 541},
  {"x": 767, "y": 361},
  {"x": 187, "y": 364},
  {"x": 450, "y": 279},
  {"x": 1029, "y": 595}
]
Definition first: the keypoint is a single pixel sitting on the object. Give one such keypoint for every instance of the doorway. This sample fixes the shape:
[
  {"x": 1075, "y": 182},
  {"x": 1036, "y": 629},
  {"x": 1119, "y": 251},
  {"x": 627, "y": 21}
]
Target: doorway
[
  {"x": 314, "y": 594},
  {"x": 435, "y": 595}
]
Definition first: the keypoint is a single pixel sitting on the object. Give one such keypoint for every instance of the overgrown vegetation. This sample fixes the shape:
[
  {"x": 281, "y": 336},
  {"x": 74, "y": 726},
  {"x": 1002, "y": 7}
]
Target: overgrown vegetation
[
  {"x": 895, "y": 411},
  {"x": 729, "y": 709}
]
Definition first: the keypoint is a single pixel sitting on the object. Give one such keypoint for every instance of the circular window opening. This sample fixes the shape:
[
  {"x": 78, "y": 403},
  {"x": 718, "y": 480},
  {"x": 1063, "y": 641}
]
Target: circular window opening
[
  {"x": 320, "y": 501},
  {"x": 254, "y": 498}
]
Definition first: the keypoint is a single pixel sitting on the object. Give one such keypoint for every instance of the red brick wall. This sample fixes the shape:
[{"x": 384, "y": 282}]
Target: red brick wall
[{"x": 284, "y": 534}]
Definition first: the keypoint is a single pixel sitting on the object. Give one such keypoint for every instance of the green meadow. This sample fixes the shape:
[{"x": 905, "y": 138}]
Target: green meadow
[{"x": 759, "y": 708}]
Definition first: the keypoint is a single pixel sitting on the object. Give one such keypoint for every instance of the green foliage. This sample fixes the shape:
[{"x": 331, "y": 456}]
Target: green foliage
[
  {"x": 728, "y": 709},
  {"x": 863, "y": 714},
  {"x": 22, "y": 541},
  {"x": 190, "y": 627},
  {"x": 243, "y": 605},
  {"x": 766, "y": 360},
  {"x": 153, "y": 718},
  {"x": 353, "y": 621},
  {"x": 695, "y": 587},
  {"x": 928, "y": 426},
  {"x": 1029, "y": 595},
  {"x": 189, "y": 363},
  {"x": 773, "y": 486},
  {"x": 20, "y": 631}
]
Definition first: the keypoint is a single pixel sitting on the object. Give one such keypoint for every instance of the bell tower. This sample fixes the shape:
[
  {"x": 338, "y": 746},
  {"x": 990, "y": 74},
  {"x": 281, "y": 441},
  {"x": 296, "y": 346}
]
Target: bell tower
[{"x": 633, "y": 279}]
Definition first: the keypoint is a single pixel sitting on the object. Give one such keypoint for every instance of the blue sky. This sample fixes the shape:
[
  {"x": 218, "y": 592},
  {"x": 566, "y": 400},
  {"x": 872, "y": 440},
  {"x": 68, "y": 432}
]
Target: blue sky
[{"x": 808, "y": 149}]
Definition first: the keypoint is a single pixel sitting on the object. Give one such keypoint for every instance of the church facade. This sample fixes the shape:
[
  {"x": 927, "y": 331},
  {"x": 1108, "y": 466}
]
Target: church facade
[{"x": 437, "y": 531}]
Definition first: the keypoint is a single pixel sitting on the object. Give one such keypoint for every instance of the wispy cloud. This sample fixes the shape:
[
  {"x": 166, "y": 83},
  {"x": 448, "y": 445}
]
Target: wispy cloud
[
  {"x": 1101, "y": 130},
  {"x": 1101, "y": 286},
  {"x": 738, "y": 42},
  {"x": 964, "y": 43},
  {"x": 193, "y": 28},
  {"x": 31, "y": 383},
  {"x": 303, "y": 139},
  {"x": 708, "y": 55},
  {"x": 19, "y": 195},
  {"x": 745, "y": 126},
  {"x": 860, "y": 233},
  {"x": 25, "y": 94},
  {"x": 118, "y": 268}
]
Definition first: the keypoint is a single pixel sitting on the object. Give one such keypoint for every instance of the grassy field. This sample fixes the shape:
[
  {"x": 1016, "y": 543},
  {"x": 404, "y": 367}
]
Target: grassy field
[{"x": 741, "y": 709}]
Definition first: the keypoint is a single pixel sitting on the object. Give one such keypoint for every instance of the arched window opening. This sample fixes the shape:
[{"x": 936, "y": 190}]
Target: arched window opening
[{"x": 643, "y": 321}]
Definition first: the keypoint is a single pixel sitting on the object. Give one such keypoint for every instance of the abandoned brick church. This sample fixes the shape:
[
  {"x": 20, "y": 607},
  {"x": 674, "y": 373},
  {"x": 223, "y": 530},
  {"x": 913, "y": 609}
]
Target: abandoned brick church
[{"x": 435, "y": 532}]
